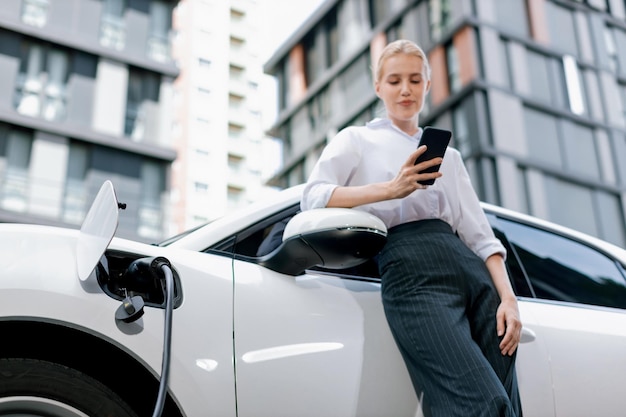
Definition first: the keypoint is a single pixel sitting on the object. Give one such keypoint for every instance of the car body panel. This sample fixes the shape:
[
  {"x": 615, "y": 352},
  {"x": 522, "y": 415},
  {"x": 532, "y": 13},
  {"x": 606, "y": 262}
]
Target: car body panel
[
  {"x": 42, "y": 284},
  {"x": 330, "y": 329},
  {"x": 533, "y": 367},
  {"x": 249, "y": 341},
  {"x": 584, "y": 345}
]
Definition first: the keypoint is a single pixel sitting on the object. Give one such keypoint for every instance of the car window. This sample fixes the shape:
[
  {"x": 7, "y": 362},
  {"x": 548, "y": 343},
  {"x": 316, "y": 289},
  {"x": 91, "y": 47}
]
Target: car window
[
  {"x": 563, "y": 269},
  {"x": 261, "y": 238},
  {"x": 519, "y": 280}
]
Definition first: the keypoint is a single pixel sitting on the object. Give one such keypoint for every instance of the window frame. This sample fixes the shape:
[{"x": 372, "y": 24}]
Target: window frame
[
  {"x": 519, "y": 277},
  {"x": 514, "y": 259}
]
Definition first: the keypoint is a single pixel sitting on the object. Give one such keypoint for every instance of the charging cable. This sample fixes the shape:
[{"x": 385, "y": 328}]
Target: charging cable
[{"x": 167, "y": 338}]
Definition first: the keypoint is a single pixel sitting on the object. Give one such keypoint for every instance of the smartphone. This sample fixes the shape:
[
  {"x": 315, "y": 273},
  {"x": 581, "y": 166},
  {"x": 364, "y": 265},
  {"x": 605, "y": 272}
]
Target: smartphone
[{"x": 436, "y": 141}]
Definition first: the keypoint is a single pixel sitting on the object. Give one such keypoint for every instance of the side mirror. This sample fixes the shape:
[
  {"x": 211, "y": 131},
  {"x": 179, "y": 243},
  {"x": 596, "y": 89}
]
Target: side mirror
[{"x": 334, "y": 238}]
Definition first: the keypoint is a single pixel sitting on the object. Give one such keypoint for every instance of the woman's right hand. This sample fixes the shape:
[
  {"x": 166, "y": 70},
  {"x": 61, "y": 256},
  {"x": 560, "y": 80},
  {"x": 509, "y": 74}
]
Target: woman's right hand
[
  {"x": 402, "y": 185},
  {"x": 406, "y": 181}
]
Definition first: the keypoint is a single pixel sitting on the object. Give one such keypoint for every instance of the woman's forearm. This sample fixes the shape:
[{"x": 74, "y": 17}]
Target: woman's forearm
[
  {"x": 358, "y": 195},
  {"x": 499, "y": 276}
]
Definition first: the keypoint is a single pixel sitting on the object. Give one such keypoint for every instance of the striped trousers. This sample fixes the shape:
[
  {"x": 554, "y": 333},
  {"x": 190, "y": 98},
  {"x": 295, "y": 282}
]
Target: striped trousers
[{"x": 440, "y": 303}]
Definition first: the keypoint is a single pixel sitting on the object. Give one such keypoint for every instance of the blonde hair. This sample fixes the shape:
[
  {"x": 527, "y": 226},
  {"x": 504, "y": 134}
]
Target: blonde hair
[{"x": 400, "y": 46}]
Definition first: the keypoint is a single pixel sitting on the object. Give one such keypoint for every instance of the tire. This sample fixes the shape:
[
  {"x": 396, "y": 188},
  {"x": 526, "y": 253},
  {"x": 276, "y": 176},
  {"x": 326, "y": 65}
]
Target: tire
[{"x": 30, "y": 388}]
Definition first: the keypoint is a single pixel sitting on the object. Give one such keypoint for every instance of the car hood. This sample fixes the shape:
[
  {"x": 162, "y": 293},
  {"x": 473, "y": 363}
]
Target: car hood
[{"x": 32, "y": 252}]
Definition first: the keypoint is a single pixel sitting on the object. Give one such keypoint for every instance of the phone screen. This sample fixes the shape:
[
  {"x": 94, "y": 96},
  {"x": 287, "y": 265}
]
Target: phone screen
[{"x": 436, "y": 141}]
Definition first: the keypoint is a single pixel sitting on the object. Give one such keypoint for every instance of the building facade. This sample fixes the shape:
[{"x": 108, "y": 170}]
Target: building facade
[
  {"x": 218, "y": 133},
  {"x": 159, "y": 96},
  {"x": 533, "y": 90},
  {"x": 86, "y": 95}
]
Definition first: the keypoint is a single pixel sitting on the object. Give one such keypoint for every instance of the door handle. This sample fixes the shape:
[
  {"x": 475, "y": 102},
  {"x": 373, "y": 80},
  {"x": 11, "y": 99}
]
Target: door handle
[{"x": 527, "y": 335}]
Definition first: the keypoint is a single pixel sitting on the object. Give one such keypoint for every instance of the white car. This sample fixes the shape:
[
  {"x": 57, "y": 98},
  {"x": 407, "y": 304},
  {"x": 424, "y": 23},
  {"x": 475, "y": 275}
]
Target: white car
[{"x": 237, "y": 319}]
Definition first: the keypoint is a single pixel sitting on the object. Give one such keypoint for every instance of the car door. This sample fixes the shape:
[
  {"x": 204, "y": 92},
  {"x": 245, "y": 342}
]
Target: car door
[
  {"x": 576, "y": 311},
  {"x": 533, "y": 359},
  {"x": 314, "y": 345}
]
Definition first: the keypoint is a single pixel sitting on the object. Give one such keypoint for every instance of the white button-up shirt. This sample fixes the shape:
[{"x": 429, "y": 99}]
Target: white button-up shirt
[{"x": 360, "y": 155}]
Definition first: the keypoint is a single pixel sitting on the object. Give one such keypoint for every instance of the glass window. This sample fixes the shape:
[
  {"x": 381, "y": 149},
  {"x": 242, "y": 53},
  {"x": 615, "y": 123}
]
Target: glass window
[
  {"x": 539, "y": 74},
  {"x": 30, "y": 80},
  {"x": 160, "y": 26},
  {"x": 355, "y": 80},
  {"x": 611, "y": 50},
  {"x": 505, "y": 59},
  {"x": 324, "y": 111},
  {"x": 332, "y": 39},
  {"x": 54, "y": 102},
  {"x": 150, "y": 210},
  {"x": 454, "y": 74},
  {"x": 409, "y": 25},
  {"x": 14, "y": 182},
  {"x": 565, "y": 270},
  {"x": 562, "y": 197},
  {"x": 259, "y": 239},
  {"x": 511, "y": 15},
  {"x": 380, "y": 10},
  {"x": 468, "y": 121},
  {"x": 112, "y": 27},
  {"x": 558, "y": 86},
  {"x": 622, "y": 96},
  {"x": 316, "y": 54},
  {"x": 35, "y": 12},
  {"x": 573, "y": 81},
  {"x": 620, "y": 44},
  {"x": 234, "y": 196},
  {"x": 615, "y": 41},
  {"x": 542, "y": 137},
  {"x": 143, "y": 89},
  {"x": 395, "y": 31},
  {"x": 76, "y": 199},
  {"x": 611, "y": 218},
  {"x": 579, "y": 150},
  {"x": 592, "y": 93},
  {"x": 461, "y": 131},
  {"x": 619, "y": 146},
  {"x": 313, "y": 111},
  {"x": 352, "y": 25},
  {"x": 440, "y": 16},
  {"x": 200, "y": 187},
  {"x": 42, "y": 82},
  {"x": 519, "y": 281},
  {"x": 295, "y": 175},
  {"x": 300, "y": 131},
  {"x": 485, "y": 180},
  {"x": 562, "y": 28},
  {"x": 282, "y": 81}
]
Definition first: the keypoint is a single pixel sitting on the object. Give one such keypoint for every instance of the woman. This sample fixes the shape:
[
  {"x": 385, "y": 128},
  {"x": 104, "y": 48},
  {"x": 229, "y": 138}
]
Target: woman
[{"x": 445, "y": 289}]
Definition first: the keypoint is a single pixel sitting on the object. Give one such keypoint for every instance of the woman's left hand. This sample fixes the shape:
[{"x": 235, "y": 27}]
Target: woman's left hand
[{"x": 509, "y": 325}]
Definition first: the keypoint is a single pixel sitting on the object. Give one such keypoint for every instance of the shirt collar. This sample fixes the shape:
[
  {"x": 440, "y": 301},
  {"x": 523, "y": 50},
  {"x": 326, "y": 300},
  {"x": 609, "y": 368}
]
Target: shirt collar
[
  {"x": 379, "y": 122},
  {"x": 384, "y": 122}
]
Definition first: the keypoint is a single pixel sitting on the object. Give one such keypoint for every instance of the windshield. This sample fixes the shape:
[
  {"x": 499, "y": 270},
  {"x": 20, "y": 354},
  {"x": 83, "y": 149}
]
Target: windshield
[{"x": 179, "y": 236}]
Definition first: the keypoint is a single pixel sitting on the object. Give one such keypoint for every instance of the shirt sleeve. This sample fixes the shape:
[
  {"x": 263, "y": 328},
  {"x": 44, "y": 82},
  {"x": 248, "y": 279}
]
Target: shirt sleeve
[
  {"x": 472, "y": 225},
  {"x": 334, "y": 168}
]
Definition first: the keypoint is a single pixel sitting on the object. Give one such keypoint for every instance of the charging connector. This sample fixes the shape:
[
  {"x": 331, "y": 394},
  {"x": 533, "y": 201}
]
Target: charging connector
[{"x": 153, "y": 269}]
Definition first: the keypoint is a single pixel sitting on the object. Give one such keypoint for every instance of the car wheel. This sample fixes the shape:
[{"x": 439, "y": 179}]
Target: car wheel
[{"x": 30, "y": 388}]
